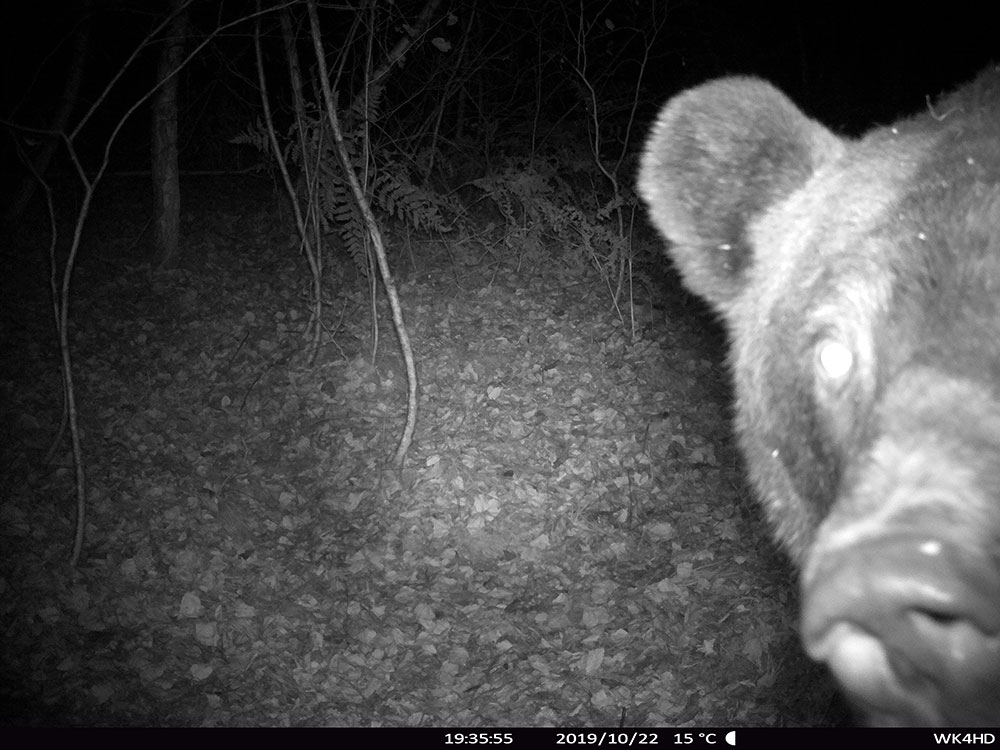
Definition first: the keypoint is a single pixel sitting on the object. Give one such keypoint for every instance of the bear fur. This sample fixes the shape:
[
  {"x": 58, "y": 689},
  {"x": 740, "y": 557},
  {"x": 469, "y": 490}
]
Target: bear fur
[{"x": 859, "y": 281}]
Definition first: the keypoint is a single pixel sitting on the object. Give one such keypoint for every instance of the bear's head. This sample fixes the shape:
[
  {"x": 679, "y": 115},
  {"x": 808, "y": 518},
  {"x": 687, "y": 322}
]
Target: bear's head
[{"x": 859, "y": 281}]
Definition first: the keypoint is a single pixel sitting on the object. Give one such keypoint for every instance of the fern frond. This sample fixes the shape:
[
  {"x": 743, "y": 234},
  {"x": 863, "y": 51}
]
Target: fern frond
[{"x": 255, "y": 135}]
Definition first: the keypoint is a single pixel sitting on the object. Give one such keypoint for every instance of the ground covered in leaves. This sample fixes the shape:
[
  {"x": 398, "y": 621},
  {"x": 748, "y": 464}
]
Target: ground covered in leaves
[{"x": 569, "y": 543}]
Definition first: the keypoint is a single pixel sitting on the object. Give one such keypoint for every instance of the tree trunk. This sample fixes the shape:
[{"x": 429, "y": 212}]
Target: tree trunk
[{"x": 166, "y": 175}]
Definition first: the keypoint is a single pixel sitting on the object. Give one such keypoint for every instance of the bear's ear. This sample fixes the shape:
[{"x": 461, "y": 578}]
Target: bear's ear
[{"x": 719, "y": 156}]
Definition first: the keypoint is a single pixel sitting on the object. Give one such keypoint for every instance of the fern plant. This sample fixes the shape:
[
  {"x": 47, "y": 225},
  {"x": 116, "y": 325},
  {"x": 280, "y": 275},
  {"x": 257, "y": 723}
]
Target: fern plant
[
  {"x": 323, "y": 188},
  {"x": 542, "y": 213}
]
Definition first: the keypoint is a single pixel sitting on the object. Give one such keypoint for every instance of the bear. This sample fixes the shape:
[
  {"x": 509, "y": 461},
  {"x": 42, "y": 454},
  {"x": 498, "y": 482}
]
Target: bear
[{"x": 859, "y": 284}]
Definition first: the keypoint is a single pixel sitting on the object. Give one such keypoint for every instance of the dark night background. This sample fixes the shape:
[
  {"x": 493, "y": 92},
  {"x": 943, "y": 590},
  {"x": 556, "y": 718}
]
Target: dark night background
[
  {"x": 851, "y": 65},
  {"x": 571, "y": 541}
]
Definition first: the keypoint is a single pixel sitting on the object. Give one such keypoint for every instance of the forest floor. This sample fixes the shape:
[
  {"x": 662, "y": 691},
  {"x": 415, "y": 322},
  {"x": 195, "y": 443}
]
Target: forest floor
[{"x": 570, "y": 542}]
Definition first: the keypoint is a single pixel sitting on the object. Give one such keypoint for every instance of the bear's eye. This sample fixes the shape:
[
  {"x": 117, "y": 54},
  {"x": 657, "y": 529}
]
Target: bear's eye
[{"x": 835, "y": 359}]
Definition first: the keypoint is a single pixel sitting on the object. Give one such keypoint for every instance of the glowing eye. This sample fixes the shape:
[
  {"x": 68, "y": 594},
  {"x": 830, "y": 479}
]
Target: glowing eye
[{"x": 835, "y": 359}]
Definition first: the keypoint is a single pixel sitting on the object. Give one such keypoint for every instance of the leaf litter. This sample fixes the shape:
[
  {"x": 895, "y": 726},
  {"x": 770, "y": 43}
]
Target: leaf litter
[{"x": 570, "y": 542}]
